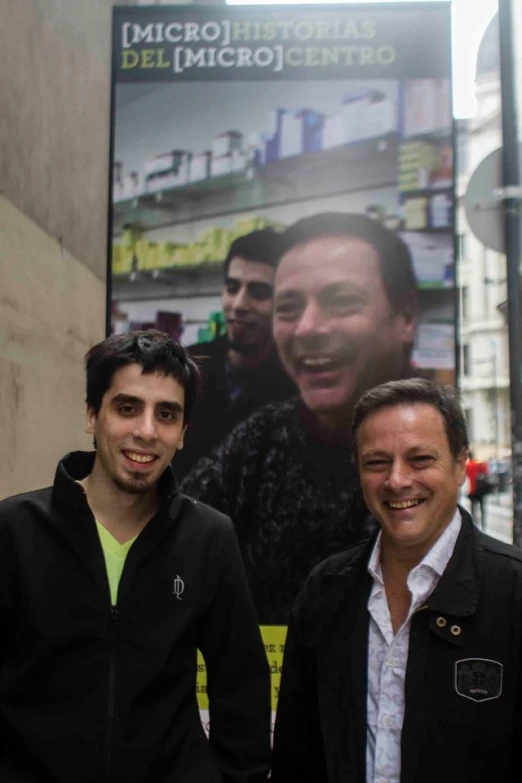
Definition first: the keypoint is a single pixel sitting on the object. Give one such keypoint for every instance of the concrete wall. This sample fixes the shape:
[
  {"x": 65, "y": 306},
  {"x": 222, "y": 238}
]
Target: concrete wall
[
  {"x": 54, "y": 150},
  {"x": 51, "y": 311}
]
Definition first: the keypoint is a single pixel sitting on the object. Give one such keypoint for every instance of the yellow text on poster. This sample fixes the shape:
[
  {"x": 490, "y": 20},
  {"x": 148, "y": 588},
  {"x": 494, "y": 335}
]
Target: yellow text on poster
[
  {"x": 274, "y": 637},
  {"x": 201, "y": 684}
]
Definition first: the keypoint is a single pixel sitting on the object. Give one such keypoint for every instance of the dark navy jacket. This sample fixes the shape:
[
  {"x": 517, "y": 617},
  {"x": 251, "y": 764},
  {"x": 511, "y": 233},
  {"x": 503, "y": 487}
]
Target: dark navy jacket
[
  {"x": 90, "y": 692},
  {"x": 463, "y": 718}
]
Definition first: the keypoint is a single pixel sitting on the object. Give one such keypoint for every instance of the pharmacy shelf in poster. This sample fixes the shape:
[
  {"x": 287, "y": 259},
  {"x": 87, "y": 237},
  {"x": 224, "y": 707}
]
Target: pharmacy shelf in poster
[
  {"x": 203, "y": 280},
  {"x": 362, "y": 165}
]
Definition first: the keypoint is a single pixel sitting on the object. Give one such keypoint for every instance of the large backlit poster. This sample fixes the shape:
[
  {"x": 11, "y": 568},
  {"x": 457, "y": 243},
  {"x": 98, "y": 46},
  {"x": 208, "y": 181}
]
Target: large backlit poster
[{"x": 231, "y": 125}]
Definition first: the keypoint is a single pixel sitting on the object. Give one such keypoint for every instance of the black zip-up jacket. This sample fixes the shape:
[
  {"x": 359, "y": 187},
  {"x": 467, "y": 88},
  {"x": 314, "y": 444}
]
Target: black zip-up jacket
[
  {"x": 90, "y": 692},
  {"x": 463, "y": 690}
]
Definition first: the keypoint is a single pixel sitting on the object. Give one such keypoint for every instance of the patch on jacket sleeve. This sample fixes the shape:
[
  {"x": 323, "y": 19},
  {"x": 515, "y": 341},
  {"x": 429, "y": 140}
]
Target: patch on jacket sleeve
[{"x": 478, "y": 679}]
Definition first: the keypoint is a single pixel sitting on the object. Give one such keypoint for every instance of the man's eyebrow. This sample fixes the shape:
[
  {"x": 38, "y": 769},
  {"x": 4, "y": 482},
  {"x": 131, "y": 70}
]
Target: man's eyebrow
[
  {"x": 127, "y": 398},
  {"x": 173, "y": 406},
  {"x": 130, "y": 399},
  {"x": 289, "y": 294},
  {"x": 374, "y": 453}
]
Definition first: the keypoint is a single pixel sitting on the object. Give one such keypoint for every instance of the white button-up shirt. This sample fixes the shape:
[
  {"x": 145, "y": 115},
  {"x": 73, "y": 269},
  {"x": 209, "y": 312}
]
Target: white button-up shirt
[{"x": 388, "y": 656}]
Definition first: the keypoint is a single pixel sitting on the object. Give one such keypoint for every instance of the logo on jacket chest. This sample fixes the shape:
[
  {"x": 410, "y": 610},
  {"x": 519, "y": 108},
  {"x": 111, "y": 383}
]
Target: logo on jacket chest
[
  {"x": 478, "y": 679},
  {"x": 178, "y": 587}
]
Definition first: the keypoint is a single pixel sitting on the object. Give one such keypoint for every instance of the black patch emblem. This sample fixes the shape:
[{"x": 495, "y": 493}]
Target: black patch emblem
[{"x": 478, "y": 679}]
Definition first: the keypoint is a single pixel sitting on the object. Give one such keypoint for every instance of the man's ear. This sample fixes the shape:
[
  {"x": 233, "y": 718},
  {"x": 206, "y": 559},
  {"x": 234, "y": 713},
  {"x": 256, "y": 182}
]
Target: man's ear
[
  {"x": 182, "y": 439},
  {"x": 461, "y": 464},
  {"x": 409, "y": 313},
  {"x": 90, "y": 420}
]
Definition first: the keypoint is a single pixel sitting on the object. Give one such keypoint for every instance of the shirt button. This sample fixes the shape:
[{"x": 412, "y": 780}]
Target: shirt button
[
  {"x": 388, "y": 721},
  {"x": 393, "y": 662}
]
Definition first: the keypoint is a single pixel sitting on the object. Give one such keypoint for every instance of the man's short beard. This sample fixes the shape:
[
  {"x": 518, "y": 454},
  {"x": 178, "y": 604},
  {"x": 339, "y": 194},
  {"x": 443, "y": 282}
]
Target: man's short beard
[{"x": 136, "y": 487}]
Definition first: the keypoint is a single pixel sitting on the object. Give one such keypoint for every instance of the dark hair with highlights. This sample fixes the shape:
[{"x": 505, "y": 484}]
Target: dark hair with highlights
[
  {"x": 155, "y": 351},
  {"x": 408, "y": 392},
  {"x": 395, "y": 259}
]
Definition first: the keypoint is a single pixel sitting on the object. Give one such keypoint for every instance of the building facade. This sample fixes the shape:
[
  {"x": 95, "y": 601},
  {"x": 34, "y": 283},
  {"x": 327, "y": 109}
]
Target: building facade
[{"x": 483, "y": 348}]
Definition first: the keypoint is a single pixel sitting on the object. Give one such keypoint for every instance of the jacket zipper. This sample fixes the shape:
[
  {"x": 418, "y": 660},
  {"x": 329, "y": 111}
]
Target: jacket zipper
[{"x": 111, "y": 690}]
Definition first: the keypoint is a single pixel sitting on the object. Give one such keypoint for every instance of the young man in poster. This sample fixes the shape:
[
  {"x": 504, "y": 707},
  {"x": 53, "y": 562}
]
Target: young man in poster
[
  {"x": 403, "y": 656},
  {"x": 110, "y": 581},
  {"x": 344, "y": 320},
  {"x": 240, "y": 370}
]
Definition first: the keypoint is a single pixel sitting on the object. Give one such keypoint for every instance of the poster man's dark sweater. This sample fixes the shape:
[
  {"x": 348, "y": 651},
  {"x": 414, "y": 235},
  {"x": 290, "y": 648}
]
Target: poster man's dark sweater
[{"x": 294, "y": 500}]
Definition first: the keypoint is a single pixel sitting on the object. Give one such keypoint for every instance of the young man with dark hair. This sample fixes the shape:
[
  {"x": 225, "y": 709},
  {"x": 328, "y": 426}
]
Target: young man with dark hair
[
  {"x": 344, "y": 320},
  {"x": 110, "y": 580},
  {"x": 240, "y": 370},
  {"x": 403, "y": 656}
]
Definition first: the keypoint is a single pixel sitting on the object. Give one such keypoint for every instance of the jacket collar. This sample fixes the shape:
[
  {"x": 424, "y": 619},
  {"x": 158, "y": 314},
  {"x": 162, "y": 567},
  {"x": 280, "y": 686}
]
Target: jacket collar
[
  {"x": 77, "y": 465},
  {"x": 458, "y": 588}
]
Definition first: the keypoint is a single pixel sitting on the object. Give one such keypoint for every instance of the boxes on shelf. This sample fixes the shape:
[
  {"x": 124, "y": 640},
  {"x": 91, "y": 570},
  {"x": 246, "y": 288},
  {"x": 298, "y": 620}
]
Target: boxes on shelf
[
  {"x": 200, "y": 166},
  {"x": 141, "y": 250},
  {"x": 427, "y": 106},
  {"x": 434, "y": 346},
  {"x": 333, "y": 132},
  {"x": 432, "y": 257},
  {"x": 441, "y": 211},
  {"x": 168, "y": 170},
  {"x": 221, "y": 165},
  {"x": 182, "y": 256},
  {"x": 301, "y": 131},
  {"x": 152, "y": 257},
  {"x": 216, "y": 241},
  {"x": 416, "y": 213},
  {"x": 121, "y": 261},
  {"x": 367, "y": 114},
  {"x": 227, "y": 143},
  {"x": 381, "y": 115},
  {"x": 131, "y": 185},
  {"x": 441, "y": 175},
  {"x": 416, "y": 162},
  {"x": 239, "y": 160},
  {"x": 313, "y": 122},
  {"x": 292, "y": 137},
  {"x": 169, "y": 255},
  {"x": 117, "y": 181},
  {"x": 273, "y": 136}
]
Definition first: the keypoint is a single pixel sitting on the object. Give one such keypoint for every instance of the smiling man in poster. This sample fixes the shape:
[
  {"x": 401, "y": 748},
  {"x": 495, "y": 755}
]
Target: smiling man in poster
[
  {"x": 403, "y": 658},
  {"x": 344, "y": 321}
]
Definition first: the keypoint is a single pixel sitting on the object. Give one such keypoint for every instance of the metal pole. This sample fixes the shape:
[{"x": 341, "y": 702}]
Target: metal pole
[
  {"x": 511, "y": 180},
  {"x": 495, "y": 402}
]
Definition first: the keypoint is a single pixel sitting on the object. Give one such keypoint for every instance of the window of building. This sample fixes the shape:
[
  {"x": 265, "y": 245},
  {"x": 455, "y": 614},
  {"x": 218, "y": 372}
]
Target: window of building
[
  {"x": 461, "y": 246},
  {"x": 464, "y": 303},
  {"x": 466, "y": 360},
  {"x": 468, "y": 413}
]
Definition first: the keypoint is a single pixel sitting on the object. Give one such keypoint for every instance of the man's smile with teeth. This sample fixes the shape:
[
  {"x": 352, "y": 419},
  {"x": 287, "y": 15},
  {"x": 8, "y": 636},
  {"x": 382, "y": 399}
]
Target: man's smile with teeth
[
  {"x": 139, "y": 457},
  {"x": 319, "y": 361},
  {"x": 403, "y": 503}
]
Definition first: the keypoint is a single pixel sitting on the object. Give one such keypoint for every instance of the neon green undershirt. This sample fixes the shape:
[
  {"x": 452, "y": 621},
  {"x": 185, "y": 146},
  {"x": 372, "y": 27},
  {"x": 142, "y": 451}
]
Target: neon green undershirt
[{"x": 114, "y": 554}]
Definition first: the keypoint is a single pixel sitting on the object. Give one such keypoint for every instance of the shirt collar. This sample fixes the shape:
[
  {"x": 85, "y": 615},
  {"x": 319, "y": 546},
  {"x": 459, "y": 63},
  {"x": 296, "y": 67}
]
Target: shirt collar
[{"x": 437, "y": 558}]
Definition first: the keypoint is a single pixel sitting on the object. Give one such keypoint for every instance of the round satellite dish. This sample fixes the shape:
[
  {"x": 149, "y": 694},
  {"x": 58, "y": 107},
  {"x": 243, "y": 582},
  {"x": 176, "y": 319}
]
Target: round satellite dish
[{"x": 485, "y": 212}]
